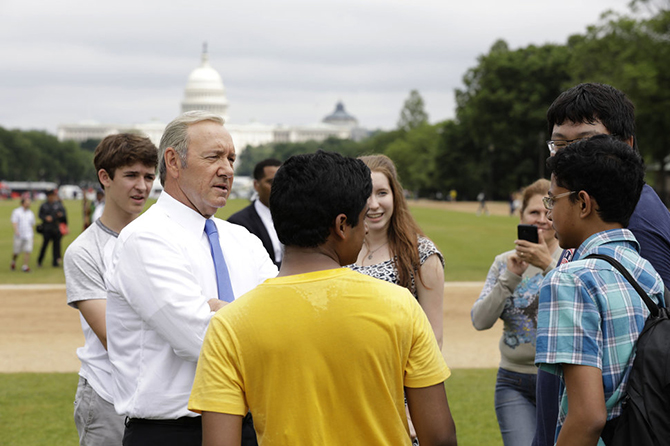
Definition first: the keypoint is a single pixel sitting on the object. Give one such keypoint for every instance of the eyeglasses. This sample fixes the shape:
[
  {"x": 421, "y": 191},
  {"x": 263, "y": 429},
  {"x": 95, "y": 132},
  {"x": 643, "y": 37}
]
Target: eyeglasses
[
  {"x": 548, "y": 202},
  {"x": 556, "y": 145}
]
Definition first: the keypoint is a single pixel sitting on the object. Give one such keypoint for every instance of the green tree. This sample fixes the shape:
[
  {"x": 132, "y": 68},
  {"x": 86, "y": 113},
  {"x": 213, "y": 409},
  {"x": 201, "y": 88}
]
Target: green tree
[
  {"x": 503, "y": 113},
  {"x": 414, "y": 155},
  {"x": 412, "y": 114},
  {"x": 633, "y": 55}
]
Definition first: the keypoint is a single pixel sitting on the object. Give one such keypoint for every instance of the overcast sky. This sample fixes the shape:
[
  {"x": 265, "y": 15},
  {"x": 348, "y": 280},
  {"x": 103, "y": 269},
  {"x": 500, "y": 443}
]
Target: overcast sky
[{"x": 286, "y": 62}]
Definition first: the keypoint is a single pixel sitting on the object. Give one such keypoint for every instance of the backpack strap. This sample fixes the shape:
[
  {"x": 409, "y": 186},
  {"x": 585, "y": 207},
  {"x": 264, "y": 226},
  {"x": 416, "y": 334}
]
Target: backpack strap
[{"x": 653, "y": 308}]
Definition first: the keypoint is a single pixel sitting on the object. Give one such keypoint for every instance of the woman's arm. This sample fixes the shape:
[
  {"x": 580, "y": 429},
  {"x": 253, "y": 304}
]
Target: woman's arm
[
  {"x": 499, "y": 286},
  {"x": 430, "y": 290}
]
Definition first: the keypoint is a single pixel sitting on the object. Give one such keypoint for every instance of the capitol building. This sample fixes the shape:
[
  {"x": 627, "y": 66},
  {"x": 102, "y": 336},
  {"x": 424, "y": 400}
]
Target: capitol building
[{"x": 205, "y": 91}]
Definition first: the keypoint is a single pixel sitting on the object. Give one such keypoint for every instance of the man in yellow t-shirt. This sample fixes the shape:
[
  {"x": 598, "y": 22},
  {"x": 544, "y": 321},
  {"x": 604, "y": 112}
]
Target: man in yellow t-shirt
[{"x": 321, "y": 354}]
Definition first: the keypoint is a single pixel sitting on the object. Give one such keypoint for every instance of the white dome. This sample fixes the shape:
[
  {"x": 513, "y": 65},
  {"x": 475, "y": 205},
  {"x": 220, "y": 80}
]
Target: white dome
[{"x": 205, "y": 90}]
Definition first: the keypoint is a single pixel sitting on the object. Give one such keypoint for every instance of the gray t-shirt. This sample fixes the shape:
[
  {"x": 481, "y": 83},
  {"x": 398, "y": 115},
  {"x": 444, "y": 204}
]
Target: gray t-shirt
[{"x": 85, "y": 263}]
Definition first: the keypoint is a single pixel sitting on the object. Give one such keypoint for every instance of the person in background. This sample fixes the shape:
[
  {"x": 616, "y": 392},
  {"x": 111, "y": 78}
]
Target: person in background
[
  {"x": 395, "y": 248},
  {"x": 330, "y": 370},
  {"x": 126, "y": 168},
  {"x": 511, "y": 293},
  {"x": 256, "y": 217},
  {"x": 52, "y": 213},
  {"x": 23, "y": 222}
]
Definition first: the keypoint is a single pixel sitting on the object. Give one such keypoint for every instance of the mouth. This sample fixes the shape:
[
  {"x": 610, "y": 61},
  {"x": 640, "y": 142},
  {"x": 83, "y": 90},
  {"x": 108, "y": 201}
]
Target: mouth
[
  {"x": 139, "y": 198},
  {"x": 223, "y": 188},
  {"x": 374, "y": 215}
]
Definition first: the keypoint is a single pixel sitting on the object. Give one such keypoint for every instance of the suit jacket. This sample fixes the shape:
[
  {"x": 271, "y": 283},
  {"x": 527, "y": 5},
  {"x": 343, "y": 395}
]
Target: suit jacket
[{"x": 249, "y": 218}]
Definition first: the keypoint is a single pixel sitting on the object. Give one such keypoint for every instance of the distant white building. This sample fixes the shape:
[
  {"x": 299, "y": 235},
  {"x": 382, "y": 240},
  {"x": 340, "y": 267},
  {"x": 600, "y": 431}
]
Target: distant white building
[{"x": 205, "y": 91}]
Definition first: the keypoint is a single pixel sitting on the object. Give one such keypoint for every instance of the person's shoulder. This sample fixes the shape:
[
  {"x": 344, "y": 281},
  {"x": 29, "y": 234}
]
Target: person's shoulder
[
  {"x": 87, "y": 247},
  {"x": 649, "y": 209},
  {"x": 231, "y": 228},
  {"x": 377, "y": 286},
  {"x": 241, "y": 215}
]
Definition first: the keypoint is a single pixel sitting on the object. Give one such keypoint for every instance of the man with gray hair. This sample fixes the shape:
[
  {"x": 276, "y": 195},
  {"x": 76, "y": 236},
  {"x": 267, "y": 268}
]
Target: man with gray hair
[{"x": 171, "y": 269}]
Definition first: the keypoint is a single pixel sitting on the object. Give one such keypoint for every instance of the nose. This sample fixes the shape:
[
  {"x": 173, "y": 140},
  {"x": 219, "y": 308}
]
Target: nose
[
  {"x": 372, "y": 202},
  {"x": 226, "y": 169},
  {"x": 548, "y": 215}
]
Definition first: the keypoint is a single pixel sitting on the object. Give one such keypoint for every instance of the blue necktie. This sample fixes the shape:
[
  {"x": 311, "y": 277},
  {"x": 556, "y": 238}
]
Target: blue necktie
[{"x": 222, "y": 277}]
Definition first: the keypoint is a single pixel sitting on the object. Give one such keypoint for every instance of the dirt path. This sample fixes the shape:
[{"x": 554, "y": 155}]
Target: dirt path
[{"x": 40, "y": 333}]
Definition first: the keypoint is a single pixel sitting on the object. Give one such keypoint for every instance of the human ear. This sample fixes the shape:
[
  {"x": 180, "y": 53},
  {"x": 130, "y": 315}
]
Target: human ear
[
  {"x": 588, "y": 203},
  {"x": 104, "y": 177},
  {"x": 172, "y": 162},
  {"x": 340, "y": 226}
]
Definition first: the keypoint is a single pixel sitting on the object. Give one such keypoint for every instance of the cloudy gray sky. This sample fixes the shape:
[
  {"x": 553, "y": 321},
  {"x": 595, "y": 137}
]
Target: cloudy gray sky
[{"x": 283, "y": 62}]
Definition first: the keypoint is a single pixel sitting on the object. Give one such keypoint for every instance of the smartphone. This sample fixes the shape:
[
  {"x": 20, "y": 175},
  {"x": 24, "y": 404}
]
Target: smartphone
[{"x": 528, "y": 232}]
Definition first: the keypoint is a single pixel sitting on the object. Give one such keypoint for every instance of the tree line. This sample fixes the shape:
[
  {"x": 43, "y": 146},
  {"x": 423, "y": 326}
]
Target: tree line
[{"x": 496, "y": 141}]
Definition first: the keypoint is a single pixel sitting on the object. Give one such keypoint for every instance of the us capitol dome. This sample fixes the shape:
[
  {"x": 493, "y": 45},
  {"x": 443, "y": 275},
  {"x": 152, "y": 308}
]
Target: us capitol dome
[{"x": 205, "y": 91}]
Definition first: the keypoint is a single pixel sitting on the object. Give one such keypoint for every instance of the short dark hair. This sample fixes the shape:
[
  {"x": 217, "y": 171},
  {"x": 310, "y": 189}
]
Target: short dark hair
[
  {"x": 259, "y": 170},
  {"x": 122, "y": 150},
  {"x": 607, "y": 169},
  {"x": 590, "y": 102},
  {"x": 310, "y": 190}
]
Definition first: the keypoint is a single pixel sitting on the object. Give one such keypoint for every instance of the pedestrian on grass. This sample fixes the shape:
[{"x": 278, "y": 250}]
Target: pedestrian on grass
[{"x": 23, "y": 222}]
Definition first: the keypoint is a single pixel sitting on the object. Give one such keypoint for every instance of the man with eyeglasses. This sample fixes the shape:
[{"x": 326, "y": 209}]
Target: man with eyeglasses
[
  {"x": 578, "y": 113},
  {"x": 589, "y": 316}
]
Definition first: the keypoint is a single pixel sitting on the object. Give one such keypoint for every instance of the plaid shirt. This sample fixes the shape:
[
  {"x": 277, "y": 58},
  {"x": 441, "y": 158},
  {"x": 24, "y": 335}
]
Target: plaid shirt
[{"x": 586, "y": 312}]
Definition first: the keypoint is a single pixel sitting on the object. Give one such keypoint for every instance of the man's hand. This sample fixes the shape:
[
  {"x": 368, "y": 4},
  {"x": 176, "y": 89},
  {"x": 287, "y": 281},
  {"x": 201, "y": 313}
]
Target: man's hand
[{"x": 216, "y": 304}]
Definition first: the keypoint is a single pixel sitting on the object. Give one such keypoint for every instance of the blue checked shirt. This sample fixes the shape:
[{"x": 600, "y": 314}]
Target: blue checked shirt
[{"x": 590, "y": 315}]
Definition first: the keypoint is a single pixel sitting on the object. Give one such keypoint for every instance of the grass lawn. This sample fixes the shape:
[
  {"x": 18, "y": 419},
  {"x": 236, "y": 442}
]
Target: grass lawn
[
  {"x": 36, "y": 408},
  {"x": 469, "y": 243}
]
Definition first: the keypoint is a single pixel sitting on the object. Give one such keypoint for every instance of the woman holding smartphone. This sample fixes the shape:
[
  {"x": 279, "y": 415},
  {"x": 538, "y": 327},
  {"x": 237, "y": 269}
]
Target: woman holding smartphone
[{"x": 511, "y": 293}]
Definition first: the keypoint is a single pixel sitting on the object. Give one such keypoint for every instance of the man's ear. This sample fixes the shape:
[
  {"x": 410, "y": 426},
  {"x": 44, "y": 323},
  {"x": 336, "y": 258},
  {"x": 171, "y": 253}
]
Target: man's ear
[
  {"x": 586, "y": 203},
  {"x": 172, "y": 162},
  {"x": 104, "y": 178},
  {"x": 341, "y": 227},
  {"x": 629, "y": 141}
]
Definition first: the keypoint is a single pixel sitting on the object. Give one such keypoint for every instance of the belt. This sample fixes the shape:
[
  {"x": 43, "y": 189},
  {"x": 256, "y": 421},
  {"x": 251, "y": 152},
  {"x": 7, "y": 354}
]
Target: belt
[{"x": 183, "y": 421}]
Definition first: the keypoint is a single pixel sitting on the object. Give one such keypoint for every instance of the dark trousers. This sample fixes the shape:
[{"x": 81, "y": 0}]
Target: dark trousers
[
  {"x": 50, "y": 237},
  {"x": 182, "y": 432}
]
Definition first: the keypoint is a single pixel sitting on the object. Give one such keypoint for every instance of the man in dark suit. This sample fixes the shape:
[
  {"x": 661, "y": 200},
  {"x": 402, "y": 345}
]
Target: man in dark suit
[{"x": 256, "y": 217}]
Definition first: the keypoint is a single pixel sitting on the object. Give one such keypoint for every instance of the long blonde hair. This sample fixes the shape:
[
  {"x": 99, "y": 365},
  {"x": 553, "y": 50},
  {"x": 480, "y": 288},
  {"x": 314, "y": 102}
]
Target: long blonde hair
[{"x": 403, "y": 231}]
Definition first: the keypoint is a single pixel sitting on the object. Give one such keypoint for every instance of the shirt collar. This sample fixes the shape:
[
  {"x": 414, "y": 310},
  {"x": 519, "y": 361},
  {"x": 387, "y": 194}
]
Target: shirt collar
[
  {"x": 263, "y": 211},
  {"x": 181, "y": 214},
  {"x": 591, "y": 244}
]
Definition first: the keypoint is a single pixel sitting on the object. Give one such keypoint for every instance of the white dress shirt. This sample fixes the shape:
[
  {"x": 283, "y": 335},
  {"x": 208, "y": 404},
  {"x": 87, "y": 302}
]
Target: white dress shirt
[
  {"x": 266, "y": 217},
  {"x": 159, "y": 282}
]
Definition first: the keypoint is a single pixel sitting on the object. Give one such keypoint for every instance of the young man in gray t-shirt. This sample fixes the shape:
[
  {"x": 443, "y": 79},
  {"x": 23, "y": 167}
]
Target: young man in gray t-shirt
[{"x": 126, "y": 168}]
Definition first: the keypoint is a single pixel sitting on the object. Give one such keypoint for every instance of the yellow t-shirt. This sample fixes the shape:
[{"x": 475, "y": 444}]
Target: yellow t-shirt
[{"x": 319, "y": 358}]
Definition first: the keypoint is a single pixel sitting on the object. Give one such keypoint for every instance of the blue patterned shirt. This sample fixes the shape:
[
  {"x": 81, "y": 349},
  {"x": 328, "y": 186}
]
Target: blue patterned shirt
[{"x": 590, "y": 315}]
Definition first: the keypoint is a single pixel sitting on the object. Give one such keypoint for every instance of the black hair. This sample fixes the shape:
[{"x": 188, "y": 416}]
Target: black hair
[
  {"x": 609, "y": 170},
  {"x": 592, "y": 102},
  {"x": 259, "y": 169},
  {"x": 310, "y": 190}
]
